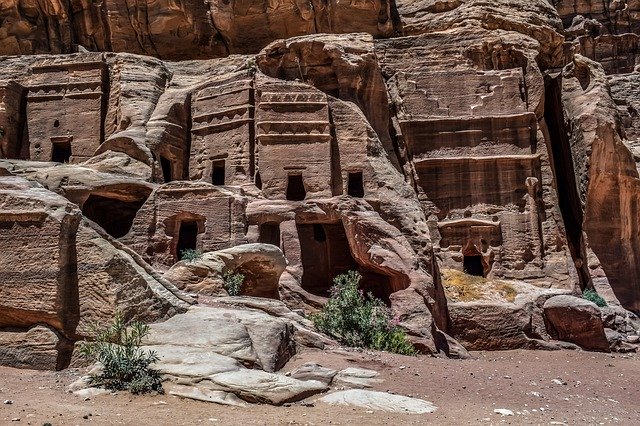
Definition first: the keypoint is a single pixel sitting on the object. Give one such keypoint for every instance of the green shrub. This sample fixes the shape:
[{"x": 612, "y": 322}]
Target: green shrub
[
  {"x": 125, "y": 365},
  {"x": 190, "y": 255},
  {"x": 358, "y": 320},
  {"x": 233, "y": 282},
  {"x": 594, "y": 297}
]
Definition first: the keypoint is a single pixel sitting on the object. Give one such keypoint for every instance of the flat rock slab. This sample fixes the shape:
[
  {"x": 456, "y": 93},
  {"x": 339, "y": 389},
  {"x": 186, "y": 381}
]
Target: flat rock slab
[
  {"x": 270, "y": 388},
  {"x": 356, "y": 378},
  {"x": 379, "y": 401},
  {"x": 204, "y": 394},
  {"x": 313, "y": 371},
  {"x": 190, "y": 361}
]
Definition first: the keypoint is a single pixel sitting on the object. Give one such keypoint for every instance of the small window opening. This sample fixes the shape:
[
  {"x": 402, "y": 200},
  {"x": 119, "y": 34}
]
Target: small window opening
[
  {"x": 355, "y": 187},
  {"x": 258, "y": 181},
  {"x": 187, "y": 237},
  {"x": 270, "y": 234},
  {"x": 217, "y": 174},
  {"x": 61, "y": 152},
  {"x": 473, "y": 265},
  {"x": 295, "y": 188},
  {"x": 56, "y": 123},
  {"x": 165, "y": 164},
  {"x": 318, "y": 233}
]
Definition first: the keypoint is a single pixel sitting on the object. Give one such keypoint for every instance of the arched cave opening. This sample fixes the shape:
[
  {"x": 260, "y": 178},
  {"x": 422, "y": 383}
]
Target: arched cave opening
[
  {"x": 472, "y": 265},
  {"x": 114, "y": 216},
  {"x": 295, "y": 188},
  {"x": 325, "y": 254},
  {"x": 187, "y": 237}
]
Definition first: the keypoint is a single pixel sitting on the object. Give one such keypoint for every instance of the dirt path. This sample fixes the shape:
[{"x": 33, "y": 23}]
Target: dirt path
[{"x": 599, "y": 389}]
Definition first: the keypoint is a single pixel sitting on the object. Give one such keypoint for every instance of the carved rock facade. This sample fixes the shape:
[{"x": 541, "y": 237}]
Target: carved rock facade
[{"x": 312, "y": 126}]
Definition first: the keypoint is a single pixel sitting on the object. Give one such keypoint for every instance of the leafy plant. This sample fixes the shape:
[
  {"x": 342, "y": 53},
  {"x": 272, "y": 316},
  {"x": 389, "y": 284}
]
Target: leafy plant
[
  {"x": 360, "y": 321},
  {"x": 125, "y": 365},
  {"x": 233, "y": 282},
  {"x": 190, "y": 255},
  {"x": 594, "y": 297}
]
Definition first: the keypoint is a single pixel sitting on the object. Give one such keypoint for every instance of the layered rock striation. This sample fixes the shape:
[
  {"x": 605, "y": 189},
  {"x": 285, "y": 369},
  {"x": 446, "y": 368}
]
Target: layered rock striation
[{"x": 400, "y": 139}]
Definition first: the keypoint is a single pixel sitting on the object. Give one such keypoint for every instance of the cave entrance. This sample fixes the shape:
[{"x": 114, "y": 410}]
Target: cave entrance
[
  {"x": 355, "y": 186},
  {"x": 270, "y": 233},
  {"x": 218, "y": 173},
  {"x": 165, "y": 165},
  {"x": 325, "y": 254},
  {"x": 295, "y": 188},
  {"x": 114, "y": 216},
  {"x": 472, "y": 265},
  {"x": 187, "y": 237},
  {"x": 61, "y": 151}
]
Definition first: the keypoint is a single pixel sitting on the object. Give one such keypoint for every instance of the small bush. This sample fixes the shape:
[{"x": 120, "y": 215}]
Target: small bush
[
  {"x": 125, "y": 365},
  {"x": 190, "y": 255},
  {"x": 594, "y": 297},
  {"x": 360, "y": 321},
  {"x": 233, "y": 282}
]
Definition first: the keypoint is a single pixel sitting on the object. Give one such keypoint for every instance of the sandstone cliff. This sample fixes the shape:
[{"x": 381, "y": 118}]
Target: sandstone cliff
[{"x": 434, "y": 145}]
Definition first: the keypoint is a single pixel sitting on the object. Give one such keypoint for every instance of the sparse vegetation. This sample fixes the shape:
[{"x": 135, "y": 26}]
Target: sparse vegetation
[
  {"x": 360, "y": 320},
  {"x": 594, "y": 297},
  {"x": 507, "y": 291},
  {"x": 462, "y": 287},
  {"x": 125, "y": 365},
  {"x": 233, "y": 282},
  {"x": 190, "y": 255}
]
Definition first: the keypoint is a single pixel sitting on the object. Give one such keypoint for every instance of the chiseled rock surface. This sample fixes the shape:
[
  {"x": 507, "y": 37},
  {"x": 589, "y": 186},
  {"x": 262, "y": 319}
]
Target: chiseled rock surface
[
  {"x": 379, "y": 401},
  {"x": 40, "y": 348},
  {"x": 575, "y": 320}
]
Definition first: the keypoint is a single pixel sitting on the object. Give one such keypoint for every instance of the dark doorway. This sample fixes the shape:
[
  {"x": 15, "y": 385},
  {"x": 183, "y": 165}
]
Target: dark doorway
[
  {"x": 295, "y": 188},
  {"x": 270, "y": 233},
  {"x": 473, "y": 265},
  {"x": 114, "y": 216},
  {"x": 187, "y": 237},
  {"x": 165, "y": 164},
  {"x": 218, "y": 172},
  {"x": 326, "y": 254},
  {"x": 355, "y": 186},
  {"x": 61, "y": 152},
  {"x": 258, "y": 181}
]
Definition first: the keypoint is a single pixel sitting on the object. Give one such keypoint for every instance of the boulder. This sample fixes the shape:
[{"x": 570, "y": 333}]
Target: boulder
[
  {"x": 261, "y": 265},
  {"x": 313, "y": 371},
  {"x": 39, "y": 348},
  {"x": 575, "y": 320}
]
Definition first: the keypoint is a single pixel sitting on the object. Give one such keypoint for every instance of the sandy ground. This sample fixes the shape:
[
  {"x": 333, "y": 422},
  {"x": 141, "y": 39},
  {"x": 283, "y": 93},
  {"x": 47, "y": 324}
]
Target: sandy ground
[{"x": 599, "y": 389}]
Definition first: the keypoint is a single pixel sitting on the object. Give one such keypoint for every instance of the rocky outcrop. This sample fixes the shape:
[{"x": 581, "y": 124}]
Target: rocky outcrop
[
  {"x": 261, "y": 266},
  {"x": 60, "y": 272},
  {"x": 575, "y": 320}
]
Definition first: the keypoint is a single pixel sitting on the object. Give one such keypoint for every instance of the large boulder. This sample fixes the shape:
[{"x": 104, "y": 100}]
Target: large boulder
[
  {"x": 261, "y": 265},
  {"x": 575, "y": 320}
]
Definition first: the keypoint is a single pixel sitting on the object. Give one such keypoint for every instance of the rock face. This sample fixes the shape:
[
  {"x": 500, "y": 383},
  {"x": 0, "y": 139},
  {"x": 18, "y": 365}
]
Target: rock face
[
  {"x": 576, "y": 320},
  {"x": 400, "y": 139},
  {"x": 60, "y": 277}
]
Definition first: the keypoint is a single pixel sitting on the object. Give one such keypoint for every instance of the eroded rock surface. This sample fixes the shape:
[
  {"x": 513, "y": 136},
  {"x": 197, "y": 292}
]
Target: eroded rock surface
[{"x": 400, "y": 139}]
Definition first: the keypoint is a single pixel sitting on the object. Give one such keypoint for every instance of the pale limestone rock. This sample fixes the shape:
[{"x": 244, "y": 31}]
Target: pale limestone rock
[{"x": 379, "y": 401}]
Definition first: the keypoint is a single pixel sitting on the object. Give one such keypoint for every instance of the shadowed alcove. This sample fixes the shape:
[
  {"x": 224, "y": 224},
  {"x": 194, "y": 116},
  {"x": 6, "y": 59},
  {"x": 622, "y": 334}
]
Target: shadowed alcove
[
  {"x": 325, "y": 254},
  {"x": 113, "y": 215}
]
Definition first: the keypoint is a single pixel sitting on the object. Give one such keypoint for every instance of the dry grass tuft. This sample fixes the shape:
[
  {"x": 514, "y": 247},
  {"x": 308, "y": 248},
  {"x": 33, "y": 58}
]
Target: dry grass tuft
[{"x": 461, "y": 287}]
